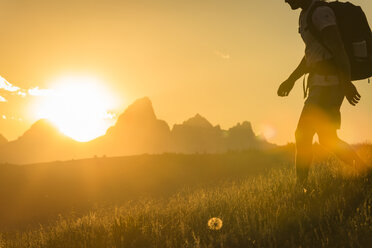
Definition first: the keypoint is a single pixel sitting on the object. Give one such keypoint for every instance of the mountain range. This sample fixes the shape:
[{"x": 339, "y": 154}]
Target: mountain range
[
  {"x": 3, "y": 140},
  {"x": 136, "y": 131}
]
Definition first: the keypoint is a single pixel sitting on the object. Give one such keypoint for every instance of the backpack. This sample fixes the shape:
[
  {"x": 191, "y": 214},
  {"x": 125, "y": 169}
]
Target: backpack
[{"x": 355, "y": 33}]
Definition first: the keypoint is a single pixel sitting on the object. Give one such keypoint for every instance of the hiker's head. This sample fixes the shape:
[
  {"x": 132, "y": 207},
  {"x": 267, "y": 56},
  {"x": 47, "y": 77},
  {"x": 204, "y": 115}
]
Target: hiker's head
[{"x": 296, "y": 4}]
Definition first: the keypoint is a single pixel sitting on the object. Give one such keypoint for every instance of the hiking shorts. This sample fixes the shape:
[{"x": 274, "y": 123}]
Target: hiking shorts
[{"x": 322, "y": 108}]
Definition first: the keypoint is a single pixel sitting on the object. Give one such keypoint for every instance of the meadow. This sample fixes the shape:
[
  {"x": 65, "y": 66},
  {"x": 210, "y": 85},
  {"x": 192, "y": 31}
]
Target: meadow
[{"x": 236, "y": 199}]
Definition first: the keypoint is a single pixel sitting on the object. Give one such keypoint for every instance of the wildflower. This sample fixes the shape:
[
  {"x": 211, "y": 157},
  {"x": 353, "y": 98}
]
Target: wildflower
[{"x": 215, "y": 223}]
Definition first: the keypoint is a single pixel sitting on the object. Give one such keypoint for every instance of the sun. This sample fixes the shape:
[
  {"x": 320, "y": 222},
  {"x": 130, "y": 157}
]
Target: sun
[{"x": 79, "y": 106}]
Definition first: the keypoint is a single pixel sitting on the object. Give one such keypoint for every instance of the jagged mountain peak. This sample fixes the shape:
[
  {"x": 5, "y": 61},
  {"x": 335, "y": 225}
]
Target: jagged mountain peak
[
  {"x": 42, "y": 128},
  {"x": 244, "y": 125},
  {"x": 140, "y": 110},
  {"x": 198, "y": 121}
]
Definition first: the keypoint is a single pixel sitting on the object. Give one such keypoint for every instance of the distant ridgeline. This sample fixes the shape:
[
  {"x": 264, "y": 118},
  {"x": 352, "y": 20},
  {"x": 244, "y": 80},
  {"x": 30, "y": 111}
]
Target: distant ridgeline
[
  {"x": 137, "y": 131},
  {"x": 2, "y": 140}
]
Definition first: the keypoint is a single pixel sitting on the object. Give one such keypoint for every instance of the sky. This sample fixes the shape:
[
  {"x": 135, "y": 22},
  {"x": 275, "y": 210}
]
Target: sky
[{"x": 222, "y": 59}]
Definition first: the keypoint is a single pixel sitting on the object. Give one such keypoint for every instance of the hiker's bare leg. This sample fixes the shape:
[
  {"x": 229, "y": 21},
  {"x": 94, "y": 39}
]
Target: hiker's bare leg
[
  {"x": 304, "y": 143},
  {"x": 304, "y": 152},
  {"x": 330, "y": 140}
]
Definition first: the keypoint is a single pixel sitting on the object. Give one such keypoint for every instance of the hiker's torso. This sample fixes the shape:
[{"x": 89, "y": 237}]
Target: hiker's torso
[{"x": 315, "y": 51}]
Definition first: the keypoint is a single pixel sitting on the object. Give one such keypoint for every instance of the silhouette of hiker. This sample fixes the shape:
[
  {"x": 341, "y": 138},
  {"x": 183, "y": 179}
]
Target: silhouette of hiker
[{"x": 328, "y": 85}]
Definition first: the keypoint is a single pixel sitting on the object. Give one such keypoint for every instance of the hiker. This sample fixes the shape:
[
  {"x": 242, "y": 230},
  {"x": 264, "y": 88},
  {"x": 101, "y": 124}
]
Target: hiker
[{"x": 328, "y": 84}]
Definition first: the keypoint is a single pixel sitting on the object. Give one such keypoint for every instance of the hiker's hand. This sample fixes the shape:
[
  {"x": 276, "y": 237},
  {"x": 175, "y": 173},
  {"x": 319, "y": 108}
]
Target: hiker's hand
[
  {"x": 351, "y": 93},
  {"x": 286, "y": 87}
]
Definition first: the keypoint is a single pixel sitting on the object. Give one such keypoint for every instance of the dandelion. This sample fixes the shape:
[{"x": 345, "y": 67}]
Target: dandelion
[{"x": 215, "y": 223}]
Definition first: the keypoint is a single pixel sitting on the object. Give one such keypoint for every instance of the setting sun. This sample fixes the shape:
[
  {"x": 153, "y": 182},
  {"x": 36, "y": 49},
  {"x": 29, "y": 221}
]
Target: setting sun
[{"x": 78, "y": 106}]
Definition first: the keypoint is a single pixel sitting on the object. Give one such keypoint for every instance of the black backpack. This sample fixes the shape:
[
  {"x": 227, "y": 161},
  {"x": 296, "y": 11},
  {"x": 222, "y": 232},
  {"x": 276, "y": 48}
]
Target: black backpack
[{"x": 355, "y": 33}]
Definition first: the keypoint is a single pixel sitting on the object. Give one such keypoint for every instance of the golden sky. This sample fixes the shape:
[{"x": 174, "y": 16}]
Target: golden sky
[{"x": 222, "y": 59}]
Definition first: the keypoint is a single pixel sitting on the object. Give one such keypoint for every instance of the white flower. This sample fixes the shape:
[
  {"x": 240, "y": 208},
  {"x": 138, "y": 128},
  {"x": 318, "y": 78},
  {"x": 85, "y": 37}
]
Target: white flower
[{"x": 215, "y": 223}]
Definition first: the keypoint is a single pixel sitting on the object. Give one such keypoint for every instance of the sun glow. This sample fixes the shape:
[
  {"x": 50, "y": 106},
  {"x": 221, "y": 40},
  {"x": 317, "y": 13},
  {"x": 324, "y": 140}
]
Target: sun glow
[
  {"x": 79, "y": 107},
  {"x": 268, "y": 132}
]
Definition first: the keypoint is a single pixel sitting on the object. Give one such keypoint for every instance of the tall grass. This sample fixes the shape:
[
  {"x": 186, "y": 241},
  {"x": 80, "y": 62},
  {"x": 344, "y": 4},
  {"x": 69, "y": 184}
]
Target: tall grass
[{"x": 264, "y": 211}]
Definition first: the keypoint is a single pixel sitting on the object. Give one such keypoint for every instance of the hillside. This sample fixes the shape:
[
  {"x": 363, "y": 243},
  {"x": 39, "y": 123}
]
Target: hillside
[
  {"x": 46, "y": 190},
  {"x": 216, "y": 204}
]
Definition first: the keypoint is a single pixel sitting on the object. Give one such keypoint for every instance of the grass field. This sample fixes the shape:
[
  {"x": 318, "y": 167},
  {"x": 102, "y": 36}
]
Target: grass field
[{"x": 252, "y": 205}]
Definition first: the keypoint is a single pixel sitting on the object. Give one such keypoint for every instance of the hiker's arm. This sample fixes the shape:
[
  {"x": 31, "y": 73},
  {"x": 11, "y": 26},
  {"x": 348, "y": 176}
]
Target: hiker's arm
[
  {"x": 332, "y": 39},
  {"x": 288, "y": 84},
  {"x": 299, "y": 71}
]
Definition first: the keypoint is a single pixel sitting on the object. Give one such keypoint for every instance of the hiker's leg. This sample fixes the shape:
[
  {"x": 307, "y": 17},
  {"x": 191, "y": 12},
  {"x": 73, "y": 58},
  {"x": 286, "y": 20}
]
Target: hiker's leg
[
  {"x": 304, "y": 153},
  {"x": 304, "y": 142},
  {"x": 330, "y": 140},
  {"x": 330, "y": 117}
]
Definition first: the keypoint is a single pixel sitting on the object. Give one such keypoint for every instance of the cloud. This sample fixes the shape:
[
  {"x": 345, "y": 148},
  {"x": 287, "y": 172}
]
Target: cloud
[
  {"x": 21, "y": 93},
  {"x": 109, "y": 116},
  {"x": 222, "y": 55},
  {"x": 39, "y": 92},
  {"x": 7, "y": 86},
  {"x": 14, "y": 90}
]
